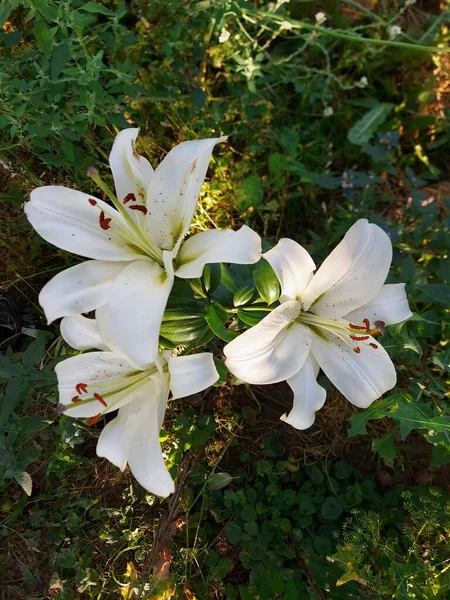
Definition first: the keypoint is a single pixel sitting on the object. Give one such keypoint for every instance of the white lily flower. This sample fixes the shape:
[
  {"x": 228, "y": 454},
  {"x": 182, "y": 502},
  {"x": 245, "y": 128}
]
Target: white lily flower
[
  {"x": 329, "y": 321},
  {"x": 137, "y": 245},
  {"x": 96, "y": 383}
]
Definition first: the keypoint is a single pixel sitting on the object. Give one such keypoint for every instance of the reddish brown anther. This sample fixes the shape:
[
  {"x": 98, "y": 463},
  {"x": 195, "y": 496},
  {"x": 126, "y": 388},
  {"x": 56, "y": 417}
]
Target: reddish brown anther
[
  {"x": 372, "y": 345},
  {"x": 104, "y": 222},
  {"x": 93, "y": 420},
  {"x": 357, "y": 327},
  {"x": 359, "y": 338},
  {"x": 367, "y": 324},
  {"x": 92, "y": 202},
  {"x": 76, "y": 399},
  {"x": 81, "y": 388},
  {"x": 357, "y": 349},
  {"x": 129, "y": 197},
  {"x": 139, "y": 207},
  {"x": 100, "y": 399}
]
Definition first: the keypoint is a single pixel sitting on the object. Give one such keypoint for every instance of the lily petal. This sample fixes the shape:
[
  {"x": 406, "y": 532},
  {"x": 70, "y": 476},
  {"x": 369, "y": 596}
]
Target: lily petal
[
  {"x": 274, "y": 350},
  {"x": 98, "y": 371},
  {"x": 111, "y": 443},
  {"x": 79, "y": 289},
  {"x": 390, "y": 305},
  {"x": 67, "y": 219},
  {"x": 309, "y": 396},
  {"x": 362, "y": 378},
  {"x": 240, "y": 247},
  {"x": 144, "y": 455},
  {"x": 137, "y": 300},
  {"x": 352, "y": 274},
  {"x": 132, "y": 172},
  {"x": 82, "y": 333},
  {"x": 173, "y": 193},
  {"x": 191, "y": 374},
  {"x": 293, "y": 266}
]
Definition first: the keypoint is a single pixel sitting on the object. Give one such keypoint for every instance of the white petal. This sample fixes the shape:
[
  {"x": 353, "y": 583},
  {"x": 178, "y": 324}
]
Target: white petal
[
  {"x": 144, "y": 453},
  {"x": 273, "y": 350},
  {"x": 242, "y": 247},
  {"x": 111, "y": 443},
  {"x": 361, "y": 378},
  {"x": 100, "y": 371},
  {"x": 82, "y": 333},
  {"x": 137, "y": 301},
  {"x": 292, "y": 265},
  {"x": 66, "y": 219},
  {"x": 352, "y": 274},
  {"x": 132, "y": 172},
  {"x": 191, "y": 374},
  {"x": 174, "y": 190},
  {"x": 80, "y": 289},
  {"x": 309, "y": 396},
  {"x": 390, "y": 305}
]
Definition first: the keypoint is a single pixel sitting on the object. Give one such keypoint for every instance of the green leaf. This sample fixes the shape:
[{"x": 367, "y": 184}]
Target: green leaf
[
  {"x": 266, "y": 282},
  {"x": 439, "y": 292},
  {"x": 221, "y": 569},
  {"x": 96, "y": 7},
  {"x": 331, "y": 509},
  {"x": 442, "y": 360},
  {"x": 211, "y": 277},
  {"x": 250, "y": 192},
  {"x": 219, "y": 481},
  {"x": 342, "y": 469},
  {"x": 44, "y": 35},
  {"x": 35, "y": 352},
  {"x": 216, "y": 317},
  {"x": 243, "y": 295},
  {"x": 25, "y": 481},
  {"x": 5, "y": 11},
  {"x": 377, "y": 410},
  {"x": 363, "y": 130},
  {"x": 15, "y": 390},
  {"x": 7, "y": 367},
  {"x": 60, "y": 56},
  {"x": 412, "y": 415},
  {"x": 198, "y": 97},
  {"x": 251, "y": 318},
  {"x": 385, "y": 445},
  {"x": 233, "y": 532},
  {"x": 221, "y": 369}
]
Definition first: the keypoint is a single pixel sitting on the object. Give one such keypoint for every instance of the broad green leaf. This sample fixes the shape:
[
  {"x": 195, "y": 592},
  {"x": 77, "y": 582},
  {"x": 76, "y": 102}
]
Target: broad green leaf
[
  {"x": 222, "y": 370},
  {"x": 216, "y": 317},
  {"x": 439, "y": 292},
  {"x": 60, "y": 56},
  {"x": 44, "y": 35},
  {"x": 219, "y": 481},
  {"x": 7, "y": 367},
  {"x": 266, "y": 282},
  {"x": 5, "y": 10},
  {"x": 250, "y": 192},
  {"x": 363, "y": 130},
  {"x": 211, "y": 277},
  {"x": 14, "y": 393},
  {"x": 331, "y": 509},
  {"x": 251, "y": 318},
  {"x": 412, "y": 415},
  {"x": 35, "y": 352},
  {"x": 97, "y": 8},
  {"x": 377, "y": 410},
  {"x": 243, "y": 295},
  {"x": 385, "y": 445}
]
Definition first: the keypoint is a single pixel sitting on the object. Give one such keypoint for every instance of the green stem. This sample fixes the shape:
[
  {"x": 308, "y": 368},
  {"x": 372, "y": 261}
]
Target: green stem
[{"x": 345, "y": 36}]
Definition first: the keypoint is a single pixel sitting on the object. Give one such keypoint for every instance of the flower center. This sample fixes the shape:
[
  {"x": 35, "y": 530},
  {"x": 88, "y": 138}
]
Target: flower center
[
  {"x": 352, "y": 334},
  {"x": 109, "y": 393}
]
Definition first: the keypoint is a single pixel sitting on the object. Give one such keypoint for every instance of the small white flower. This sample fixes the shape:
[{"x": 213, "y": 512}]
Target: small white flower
[
  {"x": 326, "y": 321},
  {"x": 224, "y": 35},
  {"x": 363, "y": 82},
  {"x": 394, "y": 31},
  {"x": 320, "y": 18},
  {"x": 286, "y": 25},
  {"x": 328, "y": 111}
]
